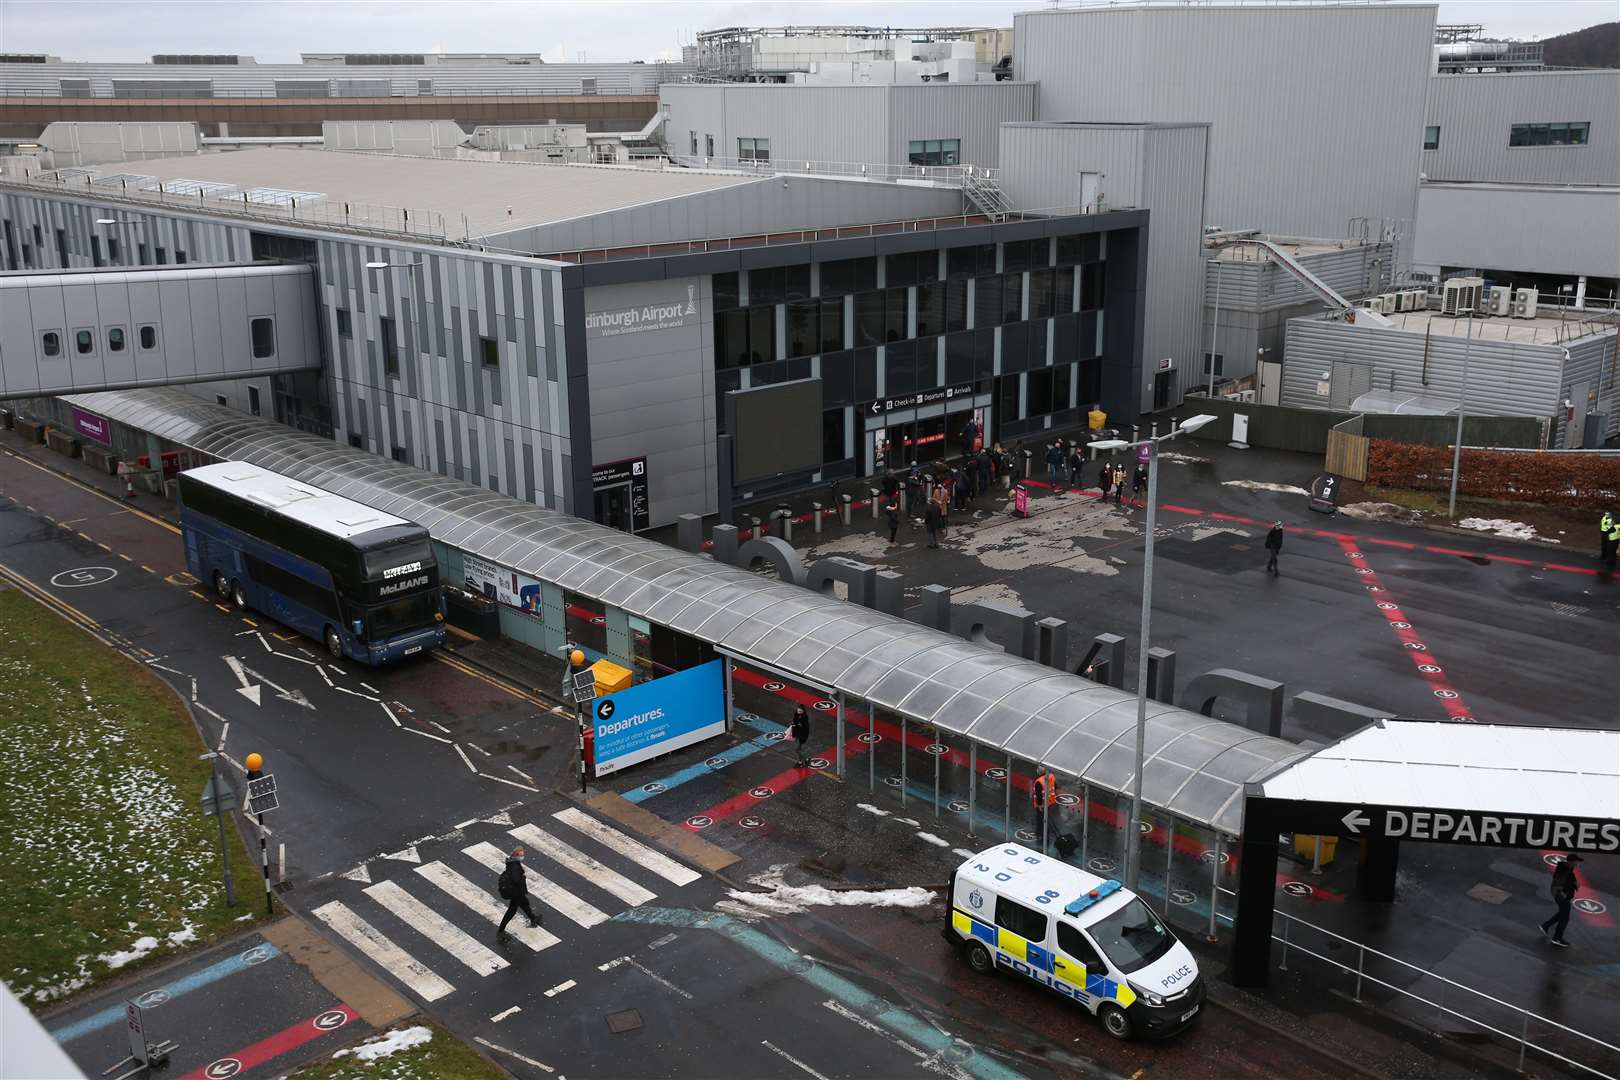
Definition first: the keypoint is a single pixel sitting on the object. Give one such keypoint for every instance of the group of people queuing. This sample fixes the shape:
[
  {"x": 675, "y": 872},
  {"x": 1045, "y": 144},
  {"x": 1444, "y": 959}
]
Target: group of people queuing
[
  {"x": 1066, "y": 471},
  {"x": 930, "y": 495}
]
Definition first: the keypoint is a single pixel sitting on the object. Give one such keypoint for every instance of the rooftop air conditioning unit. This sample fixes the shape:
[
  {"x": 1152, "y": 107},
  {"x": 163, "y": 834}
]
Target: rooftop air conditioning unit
[
  {"x": 1387, "y": 303},
  {"x": 1461, "y": 294},
  {"x": 1501, "y": 301},
  {"x": 1403, "y": 300},
  {"x": 1419, "y": 299},
  {"x": 1524, "y": 303},
  {"x": 1245, "y": 395}
]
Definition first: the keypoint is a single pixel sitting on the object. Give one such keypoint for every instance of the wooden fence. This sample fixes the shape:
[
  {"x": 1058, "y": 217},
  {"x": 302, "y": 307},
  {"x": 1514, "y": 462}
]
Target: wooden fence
[{"x": 1347, "y": 454}]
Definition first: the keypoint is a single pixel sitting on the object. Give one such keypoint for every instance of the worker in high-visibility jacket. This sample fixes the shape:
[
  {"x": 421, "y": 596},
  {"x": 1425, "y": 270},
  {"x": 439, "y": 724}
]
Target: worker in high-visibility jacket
[
  {"x": 1609, "y": 526},
  {"x": 1042, "y": 796}
]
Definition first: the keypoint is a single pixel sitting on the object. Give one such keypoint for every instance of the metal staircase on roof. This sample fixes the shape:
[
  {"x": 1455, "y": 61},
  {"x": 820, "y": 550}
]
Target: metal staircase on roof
[{"x": 986, "y": 196}]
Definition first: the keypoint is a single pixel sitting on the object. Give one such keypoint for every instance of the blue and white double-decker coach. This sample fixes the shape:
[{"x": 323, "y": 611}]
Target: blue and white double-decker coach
[{"x": 362, "y": 582}]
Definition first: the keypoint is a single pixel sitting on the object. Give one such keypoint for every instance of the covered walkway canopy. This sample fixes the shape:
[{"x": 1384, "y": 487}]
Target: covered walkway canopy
[{"x": 1196, "y": 767}]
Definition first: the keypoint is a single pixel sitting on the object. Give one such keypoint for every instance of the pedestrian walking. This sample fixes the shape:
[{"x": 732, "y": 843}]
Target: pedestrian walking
[
  {"x": 800, "y": 730},
  {"x": 1054, "y": 466},
  {"x": 1119, "y": 485},
  {"x": 892, "y": 510},
  {"x": 1609, "y": 538},
  {"x": 1042, "y": 795},
  {"x": 1273, "y": 547},
  {"x": 1563, "y": 893},
  {"x": 914, "y": 491},
  {"x": 1139, "y": 481},
  {"x": 1105, "y": 477},
  {"x": 515, "y": 891},
  {"x": 934, "y": 519},
  {"x": 986, "y": 471},
  {"x": 1077, "y": 467}
]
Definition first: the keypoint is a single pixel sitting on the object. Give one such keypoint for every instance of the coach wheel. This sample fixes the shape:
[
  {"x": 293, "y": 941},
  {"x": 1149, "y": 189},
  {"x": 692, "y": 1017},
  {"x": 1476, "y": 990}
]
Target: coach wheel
[
  {"x": 334, "y": 644},
  {"x": 980, "y": 960},
  {"x": 221, "y": 586},
  {"x": 1115, "y": 1022},
  {"x": 238, "y": 597}
]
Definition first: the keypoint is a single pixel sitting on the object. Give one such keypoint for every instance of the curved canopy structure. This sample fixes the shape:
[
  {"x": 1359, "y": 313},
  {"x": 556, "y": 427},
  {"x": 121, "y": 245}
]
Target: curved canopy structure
[{"x": 1196, "y": 767}]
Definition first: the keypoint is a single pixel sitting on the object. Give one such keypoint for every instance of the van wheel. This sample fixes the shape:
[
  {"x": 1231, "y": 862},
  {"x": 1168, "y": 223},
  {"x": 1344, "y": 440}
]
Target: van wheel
[
  {"x": 238, "y": 597},
  {"x": 222, "y": 588},
  {"x": 980, "y": 960},
  {"x": 1115, "y": 1022},
  {"x": 334, "y": 644}
]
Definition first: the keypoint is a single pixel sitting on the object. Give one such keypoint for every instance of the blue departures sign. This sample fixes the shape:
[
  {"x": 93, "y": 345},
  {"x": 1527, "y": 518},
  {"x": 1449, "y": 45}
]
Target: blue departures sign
[{"x": 659, "y": 717}]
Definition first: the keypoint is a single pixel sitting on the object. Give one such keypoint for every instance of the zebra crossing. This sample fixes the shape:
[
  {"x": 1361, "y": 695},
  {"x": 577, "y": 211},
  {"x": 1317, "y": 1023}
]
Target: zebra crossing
[{"x": 453, "y": 914}]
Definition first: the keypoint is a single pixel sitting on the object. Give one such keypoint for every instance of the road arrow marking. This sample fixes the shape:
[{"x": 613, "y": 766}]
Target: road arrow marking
[
  {"x": 405, "y": 855},
  {"x": 360, "y": 874},
  {"x": 247, "y": 689},
  {"x": 1354, "y": 820}
]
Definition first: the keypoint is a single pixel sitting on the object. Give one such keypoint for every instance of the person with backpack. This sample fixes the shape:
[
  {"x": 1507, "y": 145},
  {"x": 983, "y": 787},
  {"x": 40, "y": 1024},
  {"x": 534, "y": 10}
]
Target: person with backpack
[
  {"x": 799, "y": 728},
  {"x": 1274, "y": 540},
  {"x": 515, "y": 891},
  {"x": 1563, "y": 893}
]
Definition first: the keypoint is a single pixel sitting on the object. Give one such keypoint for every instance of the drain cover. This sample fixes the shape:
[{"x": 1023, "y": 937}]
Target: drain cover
[
  {"x": 1574, "y": 611},
  {"x": 1489, "y": 893},
  {"x": 621, "y": 1022}
]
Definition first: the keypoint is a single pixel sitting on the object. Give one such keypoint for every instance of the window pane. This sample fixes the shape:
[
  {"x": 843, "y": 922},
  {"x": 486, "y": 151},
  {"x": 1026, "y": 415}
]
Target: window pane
[
  {"x": 832, "y": 435},
  {"x": 987, "y": 301},
  {"x": 1006, "y": 401},
  {"x": 1012, "y": 298},
  {"x": 917, "y": 155},
  {"x": 1062, "y": 380},
  {"x": 796, "y": 282},
  {"x": 956, "y": 309},
  {"x": 725, "y": 291},
  {"x": 951, "y": 152},
  {"x": 959, "y": 358},
  {"x": 1040, "y": 392},
  {"x": 894, "y": 315},
  {"x": 1015, "y": 347},
  {"x": 263, "y": 333},
  {"x": 148, "y": 337},
  {"x": 1578, "y": 133},
  {"x": 837, "y": 377},
  {"x": 832, "y": 325},
  {"x": 731, "y": 338},
  {"x": 1092, "y": 286},
  {"x": 51, "y": 343},
  {"x": 899, "y": 368},
  {"x": 115, "y": 339},
  {"x": 869, "y": 318},
  {"x": 930, "y": 309},
  {"x": 1063, "y": 290},
  {"x": 1088, "y": 380},
  {"x": 344, "y": 324},
  {"x": 84, "y": 341},
  {"x": 865, "y": 374},
  {"x": 767, "y": 286},
  {"x": 803, "y": 322},
  {"x": 761, "y": 334},
  {"x": 1042, "y": 285}
]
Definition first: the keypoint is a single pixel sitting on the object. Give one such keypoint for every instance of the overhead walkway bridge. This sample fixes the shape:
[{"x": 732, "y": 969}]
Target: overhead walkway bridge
[{"x": 68, "y": 331}]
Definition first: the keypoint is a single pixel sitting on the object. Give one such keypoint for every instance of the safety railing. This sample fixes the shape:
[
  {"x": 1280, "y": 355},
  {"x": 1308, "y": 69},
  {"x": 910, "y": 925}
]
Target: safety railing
[
  {"x": 186, "y": 94},
  {"x": 945, "y": 175},
  {"x": 1458, "y": 993}
]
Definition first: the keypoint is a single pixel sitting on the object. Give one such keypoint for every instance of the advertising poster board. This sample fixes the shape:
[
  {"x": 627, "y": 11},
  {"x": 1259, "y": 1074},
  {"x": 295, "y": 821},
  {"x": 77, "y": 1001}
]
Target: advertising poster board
[
  {"x": 658, "y": 717},
  {"x": 500, "y": 584}
]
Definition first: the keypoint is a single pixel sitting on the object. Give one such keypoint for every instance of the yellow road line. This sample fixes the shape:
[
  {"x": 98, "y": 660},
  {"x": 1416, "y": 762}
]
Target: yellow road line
[
  {"x": 481, "y": 677},
  {"x": 198, "y": 595},
  {"x": 225, "y": 608},
  {"x": 289, "y": 636},
  {"x": 60, "y": 606},
  {"x": 249, "y": 621},
  {"x": 148, "y": 569},
  {"x": 126, "y": 558},
  {"x": 86, "y": 535},
  {"x": 104, "y": 547}
]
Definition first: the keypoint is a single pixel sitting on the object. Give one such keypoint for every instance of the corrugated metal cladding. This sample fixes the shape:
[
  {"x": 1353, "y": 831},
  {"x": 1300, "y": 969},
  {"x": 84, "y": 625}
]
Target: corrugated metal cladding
[
  {"x": 867, "y": 123},
  {"x": 1253, "y": 280},
  {"x": 404, "y": 81},
  {"x": 1196, "y": 767},
  {"x": 1504, "y": 378},
  {"x": 165, "y": 237},
  {"x": 1533, "y": 229},
  {"x": 1316, "y": 110},
  {"x": 1475, "y": 115},
  {"x": 1159, "y": 167}
]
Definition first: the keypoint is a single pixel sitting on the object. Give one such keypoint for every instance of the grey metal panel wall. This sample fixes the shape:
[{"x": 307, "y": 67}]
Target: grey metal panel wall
[
  {"x": 1504, "y": 378},
  {"x": 611, "y": 78},
  {"x": 1593, "y": 363},
  {"x": 773, "y": 204},
  {"x": 1476, "y": 112},
  {"x": 695, "y": 107},
  {"x": 201, "y": 241},
  {"x": 1253, "y": 281},
  {"x": 1544, "y": 230},
  {"x": 971, "y": 112},
  {"x": 1316, "y": 109}
]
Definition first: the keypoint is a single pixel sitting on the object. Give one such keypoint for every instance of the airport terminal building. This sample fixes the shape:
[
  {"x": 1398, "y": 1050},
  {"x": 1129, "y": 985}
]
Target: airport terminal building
[{"x": 625, "y": 344}]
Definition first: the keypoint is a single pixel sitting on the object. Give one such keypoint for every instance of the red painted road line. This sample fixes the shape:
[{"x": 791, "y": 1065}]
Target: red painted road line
[
  {"x": 1422, "y": 658},
  {"x": 240, "y": 1061},
  {"x": 1393, "y": 543}
]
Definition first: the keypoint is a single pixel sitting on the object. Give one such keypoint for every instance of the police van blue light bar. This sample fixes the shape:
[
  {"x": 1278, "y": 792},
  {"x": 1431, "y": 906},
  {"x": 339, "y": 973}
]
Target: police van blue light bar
[{"x": 1101, "y": 892}]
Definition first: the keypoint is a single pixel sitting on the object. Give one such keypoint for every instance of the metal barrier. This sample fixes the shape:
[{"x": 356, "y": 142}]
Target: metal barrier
[{"x": 1442, "y": 1010}]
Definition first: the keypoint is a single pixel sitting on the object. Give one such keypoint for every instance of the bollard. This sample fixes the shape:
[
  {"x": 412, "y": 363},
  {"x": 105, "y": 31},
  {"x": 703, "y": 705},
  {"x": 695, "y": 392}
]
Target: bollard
[
  {"x": 1029, "y": 462},
  {"x": 754, "y": 533},
  {"x": 1006, "y": 481},
  {"x": 846, "y": 506},
  {"x": 877, "y": 497},
  {"x": 815, "y": 516}
]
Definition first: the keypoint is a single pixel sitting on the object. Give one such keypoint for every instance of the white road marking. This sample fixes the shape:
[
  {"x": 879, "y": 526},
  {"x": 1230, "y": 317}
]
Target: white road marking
[
  {"x": 373, "y": 689},
  {"x": 611, "y": 964},
  {"x": 281, "y": 862},
  {"x": 170, "y": 670},
  {"x": 465, "y": 760},
  {"x": 405, "y": 854},
  {"x": 440, "y": 726},
  {"x": 324, "y": 676},
  {"x": 360, "y": 873},
  {"x": 544, "y": 889},
  {"x": 502, "y": 1015},
  {"x": 785, "y": 1056},
  {"x": 356, "y": 693},
  {"x": 390, "y": 713},
  {"x": 338, "y": 670},
  {"x": 425, "y": 734},
  {"x": 498, "y": 818},
  {"x": 486, "y": 1044},
  {"x": 913, "y": 822},
  {"x": 661, "y": 942},
  {"x": 463, "y": 824},
  {"x": 193, "y": 688},
  {"x": 436, "y": 928},
  {"x": 480, "y": 900},
  {"x": 384, "y": 953},
  {"x": 657, "y": 978},
  {"x": 480, "y": 749},
  {"x": 637, "y": 852},
  {"x": 504, "y": 780},
  {"x": 225, "y": 729},
  {"x": 560, "y": 987},
  {"x": 583, "y": 865},
  {"x": 266, "y": 644},
  {"x": 525, "y": 776},
  {"x": 296, "y": 659}
]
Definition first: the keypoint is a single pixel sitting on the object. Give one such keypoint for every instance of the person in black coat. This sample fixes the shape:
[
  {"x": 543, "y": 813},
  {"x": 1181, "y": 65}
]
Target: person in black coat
[
  {"x": 891, "y": 509},
  {"x": 1564, "y": 885},
  {"x": 934, "y": 518},
  {"x": 799, "y": 728},
  {"x": 1274, "y": 540},
  {"x": 515, "y": 891}
]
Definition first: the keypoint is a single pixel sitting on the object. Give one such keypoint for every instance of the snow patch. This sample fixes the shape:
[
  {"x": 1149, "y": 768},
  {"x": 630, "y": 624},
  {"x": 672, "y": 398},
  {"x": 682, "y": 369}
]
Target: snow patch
[
  {"x": 1263, "y": 485},
  {"x": 1182, "y": 459},
  {"x": 870, "y": 809},
  {"x": 932, "y": 839},
  {"x": 390, "y": 1044},
  {"x": 1505, "y": 528},
  {"x": 784, "y": 899},
  {"x": 140, "y": 948},
  {"x": 1377, "y": 511}
]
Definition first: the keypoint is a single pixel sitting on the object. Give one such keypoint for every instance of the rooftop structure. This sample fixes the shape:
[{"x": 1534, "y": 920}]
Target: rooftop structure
[
  {"x": 1550, "y": 326},
  {"x": 1464, "y": 47},
  {"x": 771, "y": 53}
]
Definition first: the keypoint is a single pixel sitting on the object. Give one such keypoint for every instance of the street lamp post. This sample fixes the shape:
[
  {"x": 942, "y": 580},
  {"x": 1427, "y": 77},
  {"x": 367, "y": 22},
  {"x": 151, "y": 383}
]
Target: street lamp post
[
  {"x": 1462, "y": 401},
  {"x": 1133, "y": 826},
  {"x": 1214, "y": 328}
]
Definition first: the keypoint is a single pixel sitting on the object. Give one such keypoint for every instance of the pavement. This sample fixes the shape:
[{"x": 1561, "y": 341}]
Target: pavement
[{"x": 674, "y": 921}]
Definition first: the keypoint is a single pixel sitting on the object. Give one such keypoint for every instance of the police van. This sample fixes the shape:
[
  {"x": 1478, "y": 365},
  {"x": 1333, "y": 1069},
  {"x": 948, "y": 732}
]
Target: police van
[{"x": 1087, "y": 938}]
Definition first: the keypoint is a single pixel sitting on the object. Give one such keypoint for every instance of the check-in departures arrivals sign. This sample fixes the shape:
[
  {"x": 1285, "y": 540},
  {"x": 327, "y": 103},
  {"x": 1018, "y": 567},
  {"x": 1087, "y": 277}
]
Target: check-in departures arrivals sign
[{"x": 1477, "y": 827}]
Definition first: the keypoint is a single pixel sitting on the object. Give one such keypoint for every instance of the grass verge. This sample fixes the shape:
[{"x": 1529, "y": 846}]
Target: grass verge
[
  {"x": 442, "y": 1057},
  {"x": 110, "y": 862}
]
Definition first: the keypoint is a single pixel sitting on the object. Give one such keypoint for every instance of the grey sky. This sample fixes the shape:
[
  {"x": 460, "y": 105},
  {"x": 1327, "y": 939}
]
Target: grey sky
[{"x": 277, "y": 30}]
